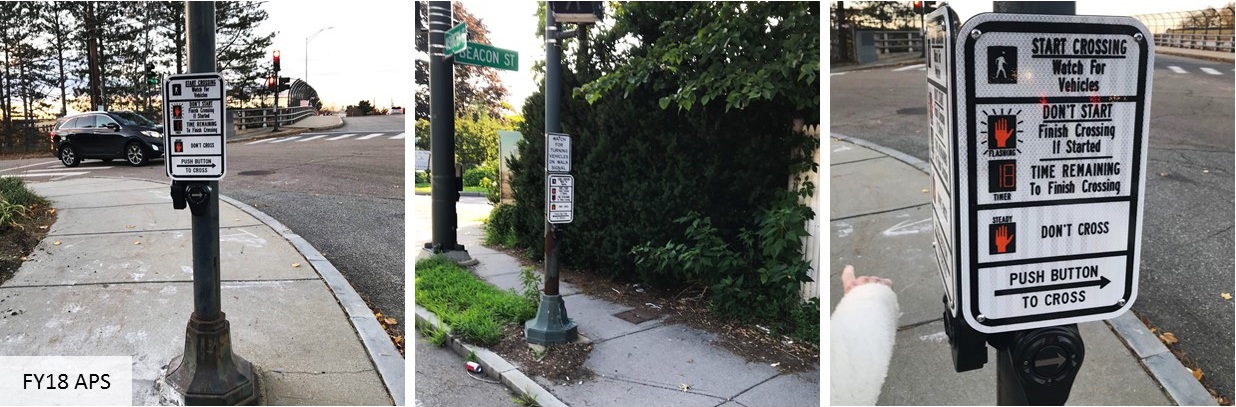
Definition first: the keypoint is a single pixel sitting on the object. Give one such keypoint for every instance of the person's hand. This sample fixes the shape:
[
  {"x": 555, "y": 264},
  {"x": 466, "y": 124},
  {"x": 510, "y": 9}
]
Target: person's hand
[{"x": 849, "y": 281}]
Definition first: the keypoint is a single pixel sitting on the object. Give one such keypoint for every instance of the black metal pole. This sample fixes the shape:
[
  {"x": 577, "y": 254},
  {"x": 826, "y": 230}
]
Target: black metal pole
[
  {"x": 276, "y": 111},
  {"x": 208, "y": 372},
  {"x": 442, "y": 131},
  {"x": 551, "y": 325}
]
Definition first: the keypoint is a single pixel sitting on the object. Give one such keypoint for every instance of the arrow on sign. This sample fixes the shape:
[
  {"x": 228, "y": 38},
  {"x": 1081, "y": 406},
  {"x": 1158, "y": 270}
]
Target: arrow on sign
[
  {"x": 211, "y": 165},
  {"x": 1101, "y": 282},
  {"x": 1057, "y": 361}
]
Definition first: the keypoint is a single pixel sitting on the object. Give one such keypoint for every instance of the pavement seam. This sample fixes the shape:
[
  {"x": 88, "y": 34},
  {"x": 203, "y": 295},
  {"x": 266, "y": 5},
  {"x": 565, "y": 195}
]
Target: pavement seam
[
  {"x": 659, "y": 386},
  {"x": 660, "y": 322},
  {"x": 153, "y": 282},
  {"x": 425, "y": 316},
  {"x": 855, "y": 161},
  {"x": 878, "y": 212},
  {"x": 382, "y": 352},
  {"x": 756, "y": 385},
  {"x": 1170, "y": 374},
  {"x": 122, "y": 232}
]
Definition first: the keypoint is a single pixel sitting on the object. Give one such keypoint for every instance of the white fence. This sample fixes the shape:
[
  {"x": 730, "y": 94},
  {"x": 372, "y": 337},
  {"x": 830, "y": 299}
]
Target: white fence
[{"x": 811, "y": 243}]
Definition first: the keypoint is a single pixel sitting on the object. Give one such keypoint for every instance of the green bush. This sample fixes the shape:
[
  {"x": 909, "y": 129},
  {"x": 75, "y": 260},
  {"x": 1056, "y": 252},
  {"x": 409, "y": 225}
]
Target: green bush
[
  {"x": 422, "y": 177},
  {"x": 500, "y": 228},
  {"x": 473, "y": 177}
]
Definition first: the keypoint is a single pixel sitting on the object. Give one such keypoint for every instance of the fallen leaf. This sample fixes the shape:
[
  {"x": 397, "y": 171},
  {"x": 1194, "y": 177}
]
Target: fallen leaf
[
  {"x": 776, "y": 364},
  {"x": 1205, "y": 171},
  {"x": 56, "y": 243},
  {"x": 295, "y": 265},
  {"x": 1162, "y": 174},
  {"x": 1168, "y": 338},
  {"x": 23, "y": 258},
  {"x": 390, "y": 321},
  {"x": 42, "y": 227},
  {"x": 51, "y": 211},
  {"x": 924, "y": 190},
  {"x": 684, "y": 387},
  {"x": 1226, "y": 296},
  {"x": 130, "y": 226},
  {"x": 1197, "y": 374},
  {"x": 137, "y": 243}
]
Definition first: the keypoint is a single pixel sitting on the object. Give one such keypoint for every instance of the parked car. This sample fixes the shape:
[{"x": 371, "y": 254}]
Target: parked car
[
  {"x": 106, "y": 136},
  {"x": 395, "y": 110}
]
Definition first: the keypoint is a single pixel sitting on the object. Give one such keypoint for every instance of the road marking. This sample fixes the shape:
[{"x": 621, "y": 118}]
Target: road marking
[
  {"x": 923, "y": 68},
  {"x": 1176, "y": 69},
  {"x": 370, "y": 136},
  {"x": 311, "y": 138},
  {"x": 399, "y": 137},
  {"x": 836, "y": 73},
  {"x": 1211, "y": 71},
  {"x": 285, "y": 139},
  {"x": 260, "y": 141},
  {"x": 70, "y": 169},
  {"x": 906, "y": 68},
  {"x": 30, "y": 165},
  {"x": 56, "y": 174},
  {"x": 340, "y": 137}
]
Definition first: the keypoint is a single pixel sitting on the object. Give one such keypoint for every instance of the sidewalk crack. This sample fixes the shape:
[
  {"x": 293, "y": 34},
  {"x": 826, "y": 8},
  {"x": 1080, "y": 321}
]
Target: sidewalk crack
[{"x": 879, "y": 212}]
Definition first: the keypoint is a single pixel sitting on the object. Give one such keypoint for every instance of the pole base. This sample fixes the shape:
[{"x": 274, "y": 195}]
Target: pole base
[
  {"x": 208, "y": 373},
  {"x": 459, "y": 255},
  {"x": 551, "y": 325}
]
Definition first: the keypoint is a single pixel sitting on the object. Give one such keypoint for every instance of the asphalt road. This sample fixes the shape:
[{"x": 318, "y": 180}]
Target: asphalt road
[
  {"x": 442, "y": 381},
  {"x": 1187, "y": 238},
  {"x": 345, "y": 196}
]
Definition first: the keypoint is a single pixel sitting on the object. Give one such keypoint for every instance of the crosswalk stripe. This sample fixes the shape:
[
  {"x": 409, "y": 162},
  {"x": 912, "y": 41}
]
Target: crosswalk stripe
[
  {"x": 285, "y": 139},
  {"x": 923, "y": 68},
  {"x": 1176, "y": 69},
  {"x": 341, "y": 137},
  {"x": 399, "y": 137},
  {"x": 312, "y": 138},
  {"x": 30, "y": 165},
  {"x": 906, "y": 68},
  {"x": 836, "y": 73},
  {"x": 259, "y": 141},
  {"x": 1211, "y": 71},
  {"x": 370, "y": 136},
  {"x": 56, "y": 174}
]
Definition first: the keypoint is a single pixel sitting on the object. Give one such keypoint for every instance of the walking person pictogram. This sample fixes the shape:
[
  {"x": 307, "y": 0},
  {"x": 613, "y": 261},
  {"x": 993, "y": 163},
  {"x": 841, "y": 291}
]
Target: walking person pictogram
[{"x": 1001, "y": 64}]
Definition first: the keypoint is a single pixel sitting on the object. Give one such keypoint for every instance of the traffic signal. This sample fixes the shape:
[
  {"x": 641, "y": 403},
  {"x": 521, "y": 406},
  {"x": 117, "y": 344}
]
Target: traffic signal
[
  {"x": 285, "y": 84},
  {"x": 918, "y": 7},
  {"x": 151, "y": 78},
  {"x": 929, "y": 6},
  {"x": 276, "y": 60},
  {"x": 271, "y": 83}
]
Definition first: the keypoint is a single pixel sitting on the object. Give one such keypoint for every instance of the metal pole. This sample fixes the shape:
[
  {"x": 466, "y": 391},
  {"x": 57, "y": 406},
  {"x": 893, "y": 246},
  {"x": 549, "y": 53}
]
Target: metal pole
[
  {"x": 208, "y": 372},
  {"x": 276, "y": 111},
  {"x": 442, "y": 130},
  {"x": 551, "y": 325}
]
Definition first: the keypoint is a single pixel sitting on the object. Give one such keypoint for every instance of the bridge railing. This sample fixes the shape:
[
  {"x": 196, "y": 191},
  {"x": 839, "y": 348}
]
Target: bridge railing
[
  {"x": 258, "y": 118},
  {"x": 1209, "y": 29}
]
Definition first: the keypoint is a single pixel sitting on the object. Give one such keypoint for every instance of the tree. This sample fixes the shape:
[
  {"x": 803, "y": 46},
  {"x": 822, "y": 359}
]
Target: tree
[
  {"x": 240, "y": 51},
  {"x": 61, "y": 25},
  {"x": 365, "y": 107},
  {"x": 476, "y": 88}
]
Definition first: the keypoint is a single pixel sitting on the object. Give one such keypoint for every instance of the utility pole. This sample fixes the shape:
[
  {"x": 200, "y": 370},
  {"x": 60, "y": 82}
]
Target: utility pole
[{"x": 208, "y": 373}]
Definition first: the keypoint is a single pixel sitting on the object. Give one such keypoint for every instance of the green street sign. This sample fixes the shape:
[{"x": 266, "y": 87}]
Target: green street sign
[
  {"x": 484, "y": 55},
  {"x": 456, "y": 40}
]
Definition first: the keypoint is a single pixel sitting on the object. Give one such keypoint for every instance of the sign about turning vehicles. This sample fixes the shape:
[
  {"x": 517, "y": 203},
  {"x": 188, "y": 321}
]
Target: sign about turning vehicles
[
  {"x": 1046, "y": 170},
  {"x": 194, "y": 112}
]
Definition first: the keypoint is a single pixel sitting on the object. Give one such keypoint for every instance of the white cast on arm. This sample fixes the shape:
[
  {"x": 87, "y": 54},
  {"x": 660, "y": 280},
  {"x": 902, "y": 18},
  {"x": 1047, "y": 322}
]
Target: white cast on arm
[{"x": 863, "y": 328}]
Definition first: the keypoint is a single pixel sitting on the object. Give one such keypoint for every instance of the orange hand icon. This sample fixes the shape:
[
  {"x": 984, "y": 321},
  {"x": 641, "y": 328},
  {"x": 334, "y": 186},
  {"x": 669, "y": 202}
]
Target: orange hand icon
[
  {"x": 1003, "y": 238},
  {"x": 1002, "y": 133}
]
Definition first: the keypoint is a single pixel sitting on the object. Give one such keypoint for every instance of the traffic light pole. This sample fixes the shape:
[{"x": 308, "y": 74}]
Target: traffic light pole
[
  {"x": 444, "y": 188},
  {"x": 551, "y": 325},
  {"x": 208, "y": 373}
]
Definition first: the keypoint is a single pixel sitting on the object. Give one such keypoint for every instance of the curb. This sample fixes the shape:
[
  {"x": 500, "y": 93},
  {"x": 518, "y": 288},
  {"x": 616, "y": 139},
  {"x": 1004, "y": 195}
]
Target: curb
[
  {"x": 461, "y": 193},
  {"x": 878, "y": 65},
  {"x": 383, "y": 354},
  {"x": 1161, "y": 364},
  {"x": 494, "y": 366}
]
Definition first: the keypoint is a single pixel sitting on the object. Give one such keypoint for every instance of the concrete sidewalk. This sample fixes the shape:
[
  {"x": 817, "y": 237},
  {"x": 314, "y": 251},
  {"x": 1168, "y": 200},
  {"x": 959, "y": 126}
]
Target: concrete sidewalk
[
  {"x": 880, "y": 222},
  {"x": 114, "y": 278},
  {"x": 637, "y": 365}
]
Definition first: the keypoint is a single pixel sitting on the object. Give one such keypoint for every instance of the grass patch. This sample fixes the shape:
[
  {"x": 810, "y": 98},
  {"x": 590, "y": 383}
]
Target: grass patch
[
  {"x": 475, "y": 310},
  {"x": 434, "y": 335},
  {"x": 425, "y": 188},
  {"x": 24, "y": 220}
]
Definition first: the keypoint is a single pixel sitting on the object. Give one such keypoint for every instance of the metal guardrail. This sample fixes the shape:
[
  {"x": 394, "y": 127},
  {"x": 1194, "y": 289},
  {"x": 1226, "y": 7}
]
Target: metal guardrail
[
  {"x": 893, "y": 42},
  {"x": 1196, "y": 41},
  {"x": 258, "y": 118}
]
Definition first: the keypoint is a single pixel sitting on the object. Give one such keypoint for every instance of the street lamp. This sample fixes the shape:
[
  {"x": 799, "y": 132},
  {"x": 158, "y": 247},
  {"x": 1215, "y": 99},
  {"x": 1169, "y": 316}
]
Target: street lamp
[{"x": 307, "y": 39}]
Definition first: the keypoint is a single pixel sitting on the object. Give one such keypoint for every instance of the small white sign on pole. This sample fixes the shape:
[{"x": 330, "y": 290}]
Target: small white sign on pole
[
  {"x": 558, "y": 152},
  {"x": 194, "y": 109},
  {"x": 559, "y": 198}
]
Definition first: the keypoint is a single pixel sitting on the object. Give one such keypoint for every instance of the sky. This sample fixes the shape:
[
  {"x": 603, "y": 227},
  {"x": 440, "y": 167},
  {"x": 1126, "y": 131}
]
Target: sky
[
  {"x": 366, "y": 56},
  {"x": 512, "y": 24}
]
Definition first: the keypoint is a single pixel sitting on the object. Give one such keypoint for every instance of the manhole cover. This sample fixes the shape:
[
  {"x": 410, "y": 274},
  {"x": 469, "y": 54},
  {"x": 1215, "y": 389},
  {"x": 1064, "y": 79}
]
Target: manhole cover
[
  {"x": 636, "y": 316},
  {"x": 256, "y": 172},
  {"x": 912, "y": 110}
]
